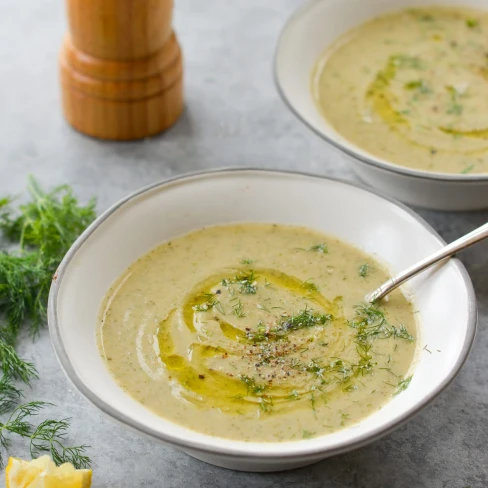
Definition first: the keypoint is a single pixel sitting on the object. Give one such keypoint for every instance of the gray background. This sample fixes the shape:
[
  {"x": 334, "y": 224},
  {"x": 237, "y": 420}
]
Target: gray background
[{"x": 233, "y": 117}]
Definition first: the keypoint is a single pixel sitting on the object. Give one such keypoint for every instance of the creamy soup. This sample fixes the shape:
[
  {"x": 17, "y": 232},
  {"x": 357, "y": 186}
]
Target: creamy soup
[
  {"x": 257, "y": 332},
  {"x": 412, "y": 88}
]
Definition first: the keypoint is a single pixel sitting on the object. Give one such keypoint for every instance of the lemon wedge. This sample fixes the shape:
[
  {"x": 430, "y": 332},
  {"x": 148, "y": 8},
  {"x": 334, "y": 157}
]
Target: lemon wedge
[{"x": 43, "y": 473}]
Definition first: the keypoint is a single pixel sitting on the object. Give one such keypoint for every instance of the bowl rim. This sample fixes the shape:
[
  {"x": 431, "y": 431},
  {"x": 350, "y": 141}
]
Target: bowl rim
[
  {"x": 367, "y": 158},
  {"x": 296, "y": 450}
]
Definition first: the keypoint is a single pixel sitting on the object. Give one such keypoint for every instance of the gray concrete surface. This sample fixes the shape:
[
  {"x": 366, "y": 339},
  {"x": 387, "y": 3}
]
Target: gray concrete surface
[{"x": 233, "y": 117}]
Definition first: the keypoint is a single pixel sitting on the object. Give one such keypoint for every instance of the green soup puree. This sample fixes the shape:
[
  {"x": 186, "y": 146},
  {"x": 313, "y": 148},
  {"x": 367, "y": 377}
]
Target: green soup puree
[
  {"x": 412, "y": 88},
  {"x": 257, "y": 332}
]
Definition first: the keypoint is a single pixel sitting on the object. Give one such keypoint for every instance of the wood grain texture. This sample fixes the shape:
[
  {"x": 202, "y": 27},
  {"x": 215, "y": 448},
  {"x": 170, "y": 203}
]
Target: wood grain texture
[
  {"x": 123, "y": 120},
  {"x": 119, "y": 29},
  {"x": 121, "y": 68}
]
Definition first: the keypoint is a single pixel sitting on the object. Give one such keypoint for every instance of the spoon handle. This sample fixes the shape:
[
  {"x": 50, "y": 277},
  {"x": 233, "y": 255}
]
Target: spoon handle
[{"x": 447, "y": 251}]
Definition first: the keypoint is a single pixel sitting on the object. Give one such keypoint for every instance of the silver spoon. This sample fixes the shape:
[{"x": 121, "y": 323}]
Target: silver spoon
[{"x": 447, "y": 251}]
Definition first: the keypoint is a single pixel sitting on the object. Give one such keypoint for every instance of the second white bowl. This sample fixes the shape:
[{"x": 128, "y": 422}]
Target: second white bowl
[{"x": 313, "y": 28}]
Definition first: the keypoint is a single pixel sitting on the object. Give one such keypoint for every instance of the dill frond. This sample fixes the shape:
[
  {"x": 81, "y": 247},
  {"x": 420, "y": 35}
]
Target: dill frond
[
  {"x": 50, "y": 222},
  {"x": 17, "y": 423},
  {"x": 371, "y": 323},
  {"x": 15, "y": 367},
  {"x": 246, "y": 281},
  {"x": 49, "y": 437},
  {"x": 45, "y": 228},
  {"x": 302, "y": 320},
  {"x": 238, "y": 310},
  {"x": 10, "y": 395}
]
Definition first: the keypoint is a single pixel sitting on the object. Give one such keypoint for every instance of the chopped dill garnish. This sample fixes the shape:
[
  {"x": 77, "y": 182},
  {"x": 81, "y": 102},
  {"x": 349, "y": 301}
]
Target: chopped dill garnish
[
  {"x": 426, "y": 18},
  {"x": 247, "y": 284},
  {"x": 265, "y": 403},
  {"x": 247, "y": 261},
  {"x": 304, "y": 319},
  {"x": 252, "y": 387},
  {"x": 420, "y": 86},
  {"x": 472, "y": 23},
  {"x": 365, "y": 364},
  {"x": 370, "y": 323},
  {"x": 455, "y": 108},
  {"x": 322, "y": 248},
  {"x": 467, "y": 169},
  {"x": 349, "y": 388},
  {"x": 426, "y": 349},
  {"x": 403, "y": 385},
  {"x": 262, "y": 307},
  {"x": 209, "y": 304},
  {"x": 405, "y": 61},
  {"x": 293, "y": 395},
  {"x": 308, "y": 285},
  {"x": 238, "y": 311},
  {"x": 364, "y": 270},
  {"x": 401, "y": 332},
  {"x": 306, "y": 434}
]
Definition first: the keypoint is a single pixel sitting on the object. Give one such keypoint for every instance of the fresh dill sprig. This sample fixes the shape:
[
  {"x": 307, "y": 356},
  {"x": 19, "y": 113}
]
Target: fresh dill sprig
[
  {"x": 403, "y": 384},
  {"x": 10, "y": 395},
  {"x": 13, "y": 366},
  {"x": 17, "y": 423},
  {"x": 321, "y": 248},
  {"x": 51, "y": 222},
  {"x": 247, "y": 261},
  {"x": 24, "y": 287},
  {"x": 49, "y": 436},
  {"x": 44, "y": 228}
]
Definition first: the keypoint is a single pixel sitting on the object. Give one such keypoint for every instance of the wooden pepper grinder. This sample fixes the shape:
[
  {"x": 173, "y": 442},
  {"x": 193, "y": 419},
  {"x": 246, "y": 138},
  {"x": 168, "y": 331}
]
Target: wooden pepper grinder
[{"x": 121, "y": 68}]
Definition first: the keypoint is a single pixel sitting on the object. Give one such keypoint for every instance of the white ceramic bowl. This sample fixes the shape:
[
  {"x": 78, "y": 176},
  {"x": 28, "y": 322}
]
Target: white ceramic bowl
[
  {"x": 443, "y": 296},
  {"x": 313, "y": 28}
]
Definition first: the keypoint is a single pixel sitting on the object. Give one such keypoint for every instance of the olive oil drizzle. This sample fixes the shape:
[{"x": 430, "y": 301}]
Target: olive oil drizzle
[{"x": 243, "y": 368}]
